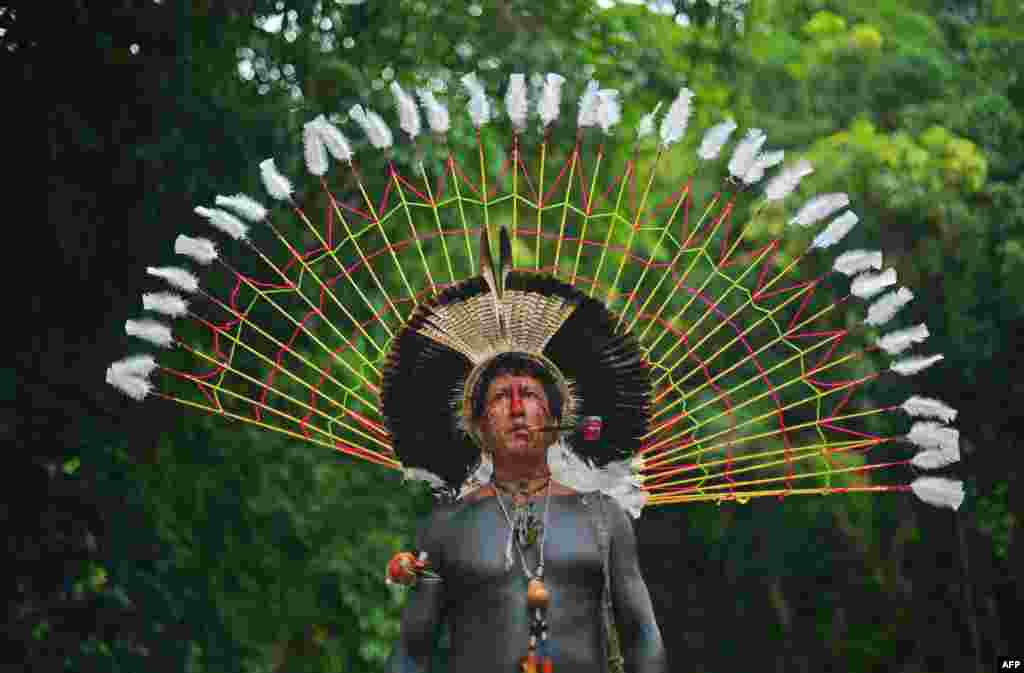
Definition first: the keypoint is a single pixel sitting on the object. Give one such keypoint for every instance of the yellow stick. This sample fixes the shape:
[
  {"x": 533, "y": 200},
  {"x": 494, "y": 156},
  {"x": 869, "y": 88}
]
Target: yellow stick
[{"x": 387, "y": 462}]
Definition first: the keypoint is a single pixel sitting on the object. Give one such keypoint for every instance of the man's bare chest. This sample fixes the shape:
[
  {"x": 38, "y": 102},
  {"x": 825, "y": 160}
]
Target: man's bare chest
[{"x": 475, "y": 547}]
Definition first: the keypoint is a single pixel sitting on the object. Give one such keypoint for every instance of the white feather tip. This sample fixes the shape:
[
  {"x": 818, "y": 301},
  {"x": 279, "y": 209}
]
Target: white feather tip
[
  {"x": 479, "y": 107},
  {"x": 939, "y": 492},
  {"x": 673, "y": 126},
  {"x": 437, "y": 114},
  {"x": 418, "y": 474},
  {"x": 376, "y": 130},
  {"x": 244, "y": 206},
  {"x": 609, "y": 110},
  {"x": 913, "y": 365},
  {"x": 646, "y": 125},
  {"x": 225, "y": 222},
  {"x": 179, "y": 278},
  {"x": 201, "y": 250},
  {"x": 925, "y": 407},
  {"x": 883, "y": 309},
  {"x": 313, "y": 148},
  {"x": 819, "y": 207},
  {"x": 516, "y": 104},
  {"x": 852, "y": 262},
  {"x": 786, "y": 182},
  {"x": 335, "y": 142},
  {"x": 934, "y": 460},
  {"x": 868, "y": 284},
  {"x": 152, "y": 331},
  {"x": 715, "y": 139},
  {"x": 278, "y": 186},
  {"x": 408, "y": 114},
  {"x": 550, "y": 98},
  {"x": 932, "y": 435},
  {"x": 167, "y": 303},
  {"x": 589, "y": 102},
  {"x": 745, "y": 154},
  {"x": 898, "y": 341},
  {"x": 130, "y": 375}
]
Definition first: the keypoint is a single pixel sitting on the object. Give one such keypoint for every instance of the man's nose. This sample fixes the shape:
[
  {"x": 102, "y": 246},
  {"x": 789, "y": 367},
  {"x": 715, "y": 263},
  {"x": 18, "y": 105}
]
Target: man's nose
[{"x": 515, "y": 403}]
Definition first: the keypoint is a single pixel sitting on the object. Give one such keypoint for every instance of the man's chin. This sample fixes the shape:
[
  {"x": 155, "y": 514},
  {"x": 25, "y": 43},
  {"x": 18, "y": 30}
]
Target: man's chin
[{"x": 517, "y": 446}]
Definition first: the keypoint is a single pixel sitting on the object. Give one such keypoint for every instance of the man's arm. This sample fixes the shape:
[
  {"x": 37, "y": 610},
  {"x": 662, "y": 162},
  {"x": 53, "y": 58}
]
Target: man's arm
[
  {"x": 421, "y": 615},
  {"x": 639, "y": 636}
]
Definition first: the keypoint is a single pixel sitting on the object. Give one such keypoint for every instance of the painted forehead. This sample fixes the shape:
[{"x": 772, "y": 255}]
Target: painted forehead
[{"x": 505, "y": 382}]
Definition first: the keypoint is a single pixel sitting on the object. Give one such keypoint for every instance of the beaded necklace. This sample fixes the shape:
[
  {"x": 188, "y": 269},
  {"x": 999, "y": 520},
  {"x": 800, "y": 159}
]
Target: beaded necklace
[{"x": 538, "y": 657}]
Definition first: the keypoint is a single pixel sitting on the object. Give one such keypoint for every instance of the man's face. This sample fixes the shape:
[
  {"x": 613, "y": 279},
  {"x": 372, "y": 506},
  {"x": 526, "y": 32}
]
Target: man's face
[{"x": 514, "y": 404}]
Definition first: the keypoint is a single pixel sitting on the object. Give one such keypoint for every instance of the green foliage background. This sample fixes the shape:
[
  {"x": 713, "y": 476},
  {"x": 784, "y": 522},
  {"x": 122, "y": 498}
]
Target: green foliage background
[{"x": 179, "y": 543}]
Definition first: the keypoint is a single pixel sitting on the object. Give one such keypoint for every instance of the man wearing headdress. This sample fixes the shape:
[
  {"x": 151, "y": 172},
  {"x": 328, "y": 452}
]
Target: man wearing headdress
[{"x": 516, "y": 394}]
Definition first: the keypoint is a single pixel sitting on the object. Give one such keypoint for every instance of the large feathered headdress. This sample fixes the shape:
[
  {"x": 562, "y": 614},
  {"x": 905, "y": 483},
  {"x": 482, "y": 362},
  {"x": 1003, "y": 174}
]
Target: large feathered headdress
[{"x": 712, "y": 365}]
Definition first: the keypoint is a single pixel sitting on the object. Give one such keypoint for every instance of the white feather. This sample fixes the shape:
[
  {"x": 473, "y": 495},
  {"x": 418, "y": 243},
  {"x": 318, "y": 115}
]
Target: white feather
[
  {"x": 938, "y": 491},
  {"x": 764, "y": 161},
  {"x": 932, "y": 435},
  {"x": 550, "y": 98},
  {"x": 673, "y": 125},
  {"x": 645, "y": 127},
  {"x": 715, "y": 139},
  {"x": 746, "y": 152},
  {"x": 313, "y": 148},
  {"x": 589, "y": 103},
  {"x": 617, "y": 479},
  {"x": 437, "y": 114},
  {"x": 609, "y": 110},
  {"x": 933, "y": 460},
  {"x": 152, "y": 331},
  {"x": 516, "y": 103},
  {"x": 418, "y": 474},
  {"x": 868, "y": 284},
  {"x": 479, "y": 106},
  {"x": 888, "y": 305},
  {"x": 767, "y": 160},
  {"x": 179, "y": 278},
  {"x": 925, "y": 407},
  {"x": 334, "y": 140},
  {"x": 913, "y": 365},
  {"x": 783, "y": 184},
  {"x": 633, "y": 501},
  {"x": 896, "y": 342},
  {"x": 278, "y": 186},
  {"x": 852, "y": 262},
  {"x": 224, "y": 221},
  {"x": 129, "y": 376},
  {"x": 136, "y": 365},
  {"x": 167, "y": 303},
  {"x": 376, "y": 130},
  {"x": 244, "y": 206},
  {"x": 133, "y": 386},
  {"x": 481, "y": 475},
  {"x": 408, "y": 114},
  {"x": 201, "y": 250},
  {"x": 819, "y": 207},
  {"x": 836, "y": 230}
]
